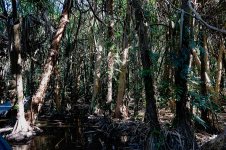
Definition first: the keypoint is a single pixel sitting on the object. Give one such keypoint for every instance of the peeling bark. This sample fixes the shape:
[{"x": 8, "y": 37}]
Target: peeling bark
[
  {"x": 111, "y": 54},
  {"x": 119, "y": 111},
  {"x": 37, "y": 99},
  {"x": 96, "y": 82},
  {"x": 21, "y": 126}
]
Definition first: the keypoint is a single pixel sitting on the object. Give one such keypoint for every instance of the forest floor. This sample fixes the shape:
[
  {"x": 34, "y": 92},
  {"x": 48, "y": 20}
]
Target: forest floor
[
  {"x": 98, "y": 131},
  {"x": 166, "y": 117}
]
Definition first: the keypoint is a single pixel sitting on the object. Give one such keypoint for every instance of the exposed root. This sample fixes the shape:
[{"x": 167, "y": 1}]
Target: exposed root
[{"x": 22, "y": 131}]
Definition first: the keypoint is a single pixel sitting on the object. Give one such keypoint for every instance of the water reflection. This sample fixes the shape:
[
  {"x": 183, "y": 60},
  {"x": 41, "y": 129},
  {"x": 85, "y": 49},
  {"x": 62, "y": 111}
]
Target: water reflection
[
  {"x": 50, "y": 142},
  {"x": 55, "y": 136}
]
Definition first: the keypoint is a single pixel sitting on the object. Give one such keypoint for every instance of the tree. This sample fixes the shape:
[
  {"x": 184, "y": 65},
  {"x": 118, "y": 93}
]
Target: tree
[
  {"x": 182, "y": 120},
  {"x": 204, "y": 67},
  {"x": 21, "y": 125},
  {"x": 110, "y": 43},
  {"x": 120, "y": 109},
  {"x": 148, "y": 79},
  {"x": 37, "y": 99}
]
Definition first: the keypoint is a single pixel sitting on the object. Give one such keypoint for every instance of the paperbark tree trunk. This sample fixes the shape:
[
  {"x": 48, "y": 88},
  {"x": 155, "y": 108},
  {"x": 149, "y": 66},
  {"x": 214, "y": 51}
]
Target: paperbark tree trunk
[
  {"x": 37, "y": 99},
  {"x": 121, "y": 109},
  {"x": 219, "y": 71},
  {"x": 97, "y": 71},
  {"x": 204, "y": 79},
  {"x": 21, "y": 126},
  {"x": 111, "y": 55}
]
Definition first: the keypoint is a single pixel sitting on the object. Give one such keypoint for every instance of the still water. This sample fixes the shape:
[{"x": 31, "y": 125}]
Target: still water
[{"x": 56, "y": 135}]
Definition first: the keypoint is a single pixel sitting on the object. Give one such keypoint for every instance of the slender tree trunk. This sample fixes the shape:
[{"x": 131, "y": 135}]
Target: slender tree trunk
[
  {"x": 198, "y": 64},
  {"x": 37, "y": 99},
  {"x": 219, "y": 71},
  {"x": 97, "y": 71},
  {"x": 224, "y": 74},
  {"x": 182, "y": 120},
  {"x": 111, "y": 52},
  {"x": 204, "y": 92},
  {"x": 120, "y": 109},
  {"x": 142, "y": 31},
  {"x": 57, "y": 89},
  {"x": 16, "y": 60},
  {"x": 167, "y": 73},
  {"x": 148, "y": 78},
  {"x": 21, "y": 124}
]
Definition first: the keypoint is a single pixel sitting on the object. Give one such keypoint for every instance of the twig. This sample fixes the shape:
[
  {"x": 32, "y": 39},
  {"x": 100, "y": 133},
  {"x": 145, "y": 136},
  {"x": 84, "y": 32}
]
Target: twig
[
  {"x": 95, "y": 15},
  {"x": 57, "y": 145}
]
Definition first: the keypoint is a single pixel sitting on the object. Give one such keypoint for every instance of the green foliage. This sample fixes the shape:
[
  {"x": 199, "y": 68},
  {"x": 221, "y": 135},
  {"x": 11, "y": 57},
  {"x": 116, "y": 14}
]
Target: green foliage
[
  {"x": 197, "y": 119},
  {"x": 165, "y": 93},
  {"x": 32, "y": 6},
  {"x": 16, "y": 107}
]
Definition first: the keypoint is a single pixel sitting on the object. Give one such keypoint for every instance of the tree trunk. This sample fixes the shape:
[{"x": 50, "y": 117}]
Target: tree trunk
[
  {"x": 204, "y": 81},
  {"x": 37, "y": 99},
  {"x": 142, "y": 31},
  {"x": 182, "y": 120},
  {"x": 219, "y": 71},
  {"x": 148, "y": 79},
  {"x": 97, "y": 70},
  {"x": 198, "y": 64},
  {"x": 120, "y": 109},
  {"x": 57, "y": 90},
  {"x": 21, "y": 125},
  {"x": 111, "y": 54}
]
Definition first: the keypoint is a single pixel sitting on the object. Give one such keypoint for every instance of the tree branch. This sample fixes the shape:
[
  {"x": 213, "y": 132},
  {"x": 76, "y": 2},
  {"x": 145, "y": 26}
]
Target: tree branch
[
  {"x": 3, "y": 17},
  {"x": 197, "y": 16},
  {"x": 95, "y": 15}
]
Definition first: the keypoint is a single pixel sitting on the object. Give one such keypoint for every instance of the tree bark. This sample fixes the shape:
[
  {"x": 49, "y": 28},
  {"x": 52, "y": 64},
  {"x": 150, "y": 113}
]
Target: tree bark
[
  {"x": 37, "y": 99},
  {"x": 57, "y": 89},
  {"x": 148, "y": 78},
  {"x": 204, "y": 80},
  {"x": 120, "y": 109},
  {"x": 219, "y": 71},
  {"x": 182, "y": 120},
  {"x": 142, "y": 31},
  {"x": 198, "y": 64},
  {"x": 97, "y": 71},
  {"x": 16, "y": 60},
  {"x": 111, "y": 52}
]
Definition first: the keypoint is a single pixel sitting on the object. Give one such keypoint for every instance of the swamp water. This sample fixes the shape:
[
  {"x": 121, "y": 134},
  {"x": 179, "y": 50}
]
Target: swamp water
[
  {"x": 58, "y": 135},
  {"x": 55, "y": 135}
]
